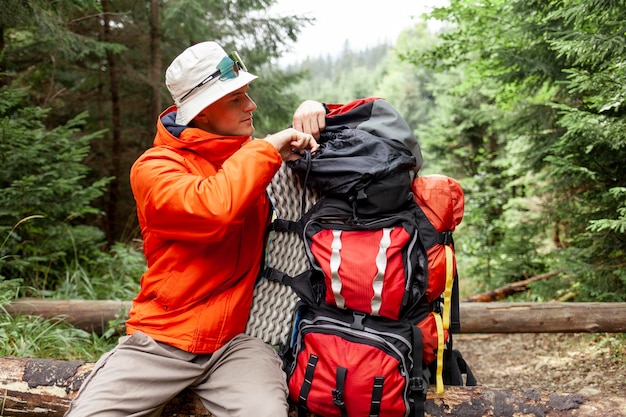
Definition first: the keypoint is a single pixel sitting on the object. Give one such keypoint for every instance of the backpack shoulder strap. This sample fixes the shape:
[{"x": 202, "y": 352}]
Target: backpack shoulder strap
[{"x": 304, "y": 284}]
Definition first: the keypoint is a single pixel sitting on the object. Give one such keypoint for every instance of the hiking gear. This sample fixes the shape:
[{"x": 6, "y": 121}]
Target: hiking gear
[
  {"x": 371, "y": 172},
  {"x": 378, "y": 117},
  {"x": 188, "y": 78},
  {"x": 372, "y": 265},
  {"x": 369, "y": 240},
  {"x": 348, "y": 363},
  {"x": 441, "y": 206},
  {"x": 228, "y": 68},
  {"x": 197, "y": 291}
]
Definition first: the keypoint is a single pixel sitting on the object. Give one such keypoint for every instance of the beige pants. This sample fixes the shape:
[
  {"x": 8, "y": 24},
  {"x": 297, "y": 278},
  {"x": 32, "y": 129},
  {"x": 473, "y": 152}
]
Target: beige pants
[{"x": 244, "y": 379}]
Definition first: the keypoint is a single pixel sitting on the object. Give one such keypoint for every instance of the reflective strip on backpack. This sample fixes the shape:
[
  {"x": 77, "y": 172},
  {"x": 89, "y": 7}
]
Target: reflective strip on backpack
[
  {"x": 335, "y": 263},
  {"x": 381, "y": 269},
  {"x": 381, "y": 266}
]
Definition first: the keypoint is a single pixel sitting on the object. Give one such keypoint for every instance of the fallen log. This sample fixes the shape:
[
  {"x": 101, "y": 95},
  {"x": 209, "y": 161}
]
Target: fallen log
[
  {"x": 496, "y": 317},
  {"x": 35, "y": 387},
  {"x": 89, "y": 315},
  {"x": 553, "y": 317},
  {"x": 510, "y": 289}
]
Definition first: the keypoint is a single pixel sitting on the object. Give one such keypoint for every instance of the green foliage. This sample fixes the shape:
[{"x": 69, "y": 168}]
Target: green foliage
[
  {"x": 408, "y": 87},
  {"x": 341, "y": 79},
  {"x": 73, "y": 62},
  {"x": 615, "y": 225},
  {"x": 31, "y": 336},
  {"x": 616, "y": 344},
  {"x": 243, "y": 24},
  {"x": 34, "y": 337},
  {"x": 530, "y": 106},
  {"x": 46, "y": 194},
  {"x": 275, "y": 106},
  {"x": 50, "y": 36},
  {"x": 113, "y": 275}
]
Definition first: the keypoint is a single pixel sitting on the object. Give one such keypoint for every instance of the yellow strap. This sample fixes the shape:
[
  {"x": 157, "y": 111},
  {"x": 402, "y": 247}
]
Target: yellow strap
[
  {"x": 447, "y": 294},
  {"x": 440, "y": 347}
]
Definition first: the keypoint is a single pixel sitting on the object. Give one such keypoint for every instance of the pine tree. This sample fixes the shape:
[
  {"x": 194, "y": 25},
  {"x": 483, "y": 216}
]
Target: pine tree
[
  {"x": 46, "y": 194},
  {"x": 552, "y": 73}
]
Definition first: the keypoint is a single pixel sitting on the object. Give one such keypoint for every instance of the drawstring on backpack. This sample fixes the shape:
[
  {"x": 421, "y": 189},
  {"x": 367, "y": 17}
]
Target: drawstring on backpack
[{"x": 307, "y": 160}]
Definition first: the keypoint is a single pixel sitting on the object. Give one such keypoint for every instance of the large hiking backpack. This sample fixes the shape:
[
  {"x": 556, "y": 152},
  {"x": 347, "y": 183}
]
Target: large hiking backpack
[
  {"x": 374, "y": 318},
  {"x": 347, "y": 363}
]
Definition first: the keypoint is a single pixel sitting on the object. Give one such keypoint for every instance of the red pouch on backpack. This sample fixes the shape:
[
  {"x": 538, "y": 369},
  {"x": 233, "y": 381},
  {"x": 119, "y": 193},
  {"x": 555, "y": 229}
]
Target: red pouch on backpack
[
  {"x": 430, "y": 338},
  {"x": 354, "y": 364},
  {"x": 442, "y": 201},
  {"x": 376, "y": 265},
  {"x": 363, "y": 270}
]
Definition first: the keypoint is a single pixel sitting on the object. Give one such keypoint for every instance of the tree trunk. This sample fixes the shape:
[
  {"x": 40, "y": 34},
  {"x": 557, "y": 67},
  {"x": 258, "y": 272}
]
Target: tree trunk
[
  {"x": 93, "y": 315},
  {"x": 115, "y": 170},
  {"x": 510, "y": 289},
  {"x": 483, "y": 402},
  {"x": 3, "y": 78},
  {"x": 89, "y": 315},
  {"x": 155, "y": 62},
  {"x": 543, "y": 317},
  {"x": 35, "y": 387}
]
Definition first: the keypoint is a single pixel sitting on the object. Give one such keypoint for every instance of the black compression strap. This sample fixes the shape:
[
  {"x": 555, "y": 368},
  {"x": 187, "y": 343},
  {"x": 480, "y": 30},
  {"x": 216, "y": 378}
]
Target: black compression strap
[
  {"x": 308, "y": 380},
  {"x": 276, "y": 275},
  {"x": 377, "y": 396},
  {"x": 455, "y": 313},
  {"x": 418, "y": 385},
  {"x": 284, "y": 225},
  {"x": 338, "y": 392},
  {"x": 445, "y": 238}
]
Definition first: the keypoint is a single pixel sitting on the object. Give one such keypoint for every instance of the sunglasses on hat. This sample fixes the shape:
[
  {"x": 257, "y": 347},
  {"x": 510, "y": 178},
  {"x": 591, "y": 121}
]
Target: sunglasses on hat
[{"x": 228, "y": 68}]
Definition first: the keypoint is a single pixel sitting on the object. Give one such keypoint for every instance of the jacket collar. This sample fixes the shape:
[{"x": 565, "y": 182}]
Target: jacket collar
[{"x": 214, "y": 148}]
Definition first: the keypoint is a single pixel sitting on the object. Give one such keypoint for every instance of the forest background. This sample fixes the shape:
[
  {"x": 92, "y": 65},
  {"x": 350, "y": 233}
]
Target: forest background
[{"x": 522, "y": 101}]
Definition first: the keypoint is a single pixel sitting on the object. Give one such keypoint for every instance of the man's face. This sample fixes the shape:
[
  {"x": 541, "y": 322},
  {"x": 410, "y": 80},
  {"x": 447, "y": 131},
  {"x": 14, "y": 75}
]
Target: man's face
[{"x": 229, "y": 116}]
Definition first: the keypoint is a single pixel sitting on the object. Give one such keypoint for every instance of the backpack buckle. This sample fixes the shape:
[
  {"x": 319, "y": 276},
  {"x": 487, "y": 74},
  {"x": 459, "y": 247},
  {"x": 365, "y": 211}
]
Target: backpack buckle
[
  {"x": 357, "y": 324},
  {"x": 338, "y": 398},
  {"x": 416, "y": 384},
  {"x": 445, "y": 238}
]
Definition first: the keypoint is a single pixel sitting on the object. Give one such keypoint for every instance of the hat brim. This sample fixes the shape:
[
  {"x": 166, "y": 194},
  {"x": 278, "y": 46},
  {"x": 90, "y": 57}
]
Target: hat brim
[{"x": 209, "y": 94}]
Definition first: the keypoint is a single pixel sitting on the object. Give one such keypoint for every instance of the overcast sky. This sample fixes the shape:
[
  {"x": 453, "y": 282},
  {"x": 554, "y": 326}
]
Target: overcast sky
[{"x": 362, "y": 22}]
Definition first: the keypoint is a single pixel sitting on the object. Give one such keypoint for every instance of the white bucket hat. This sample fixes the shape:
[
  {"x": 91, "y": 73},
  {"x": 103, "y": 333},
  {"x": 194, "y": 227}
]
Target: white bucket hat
[{"x": 201, "y": 75}]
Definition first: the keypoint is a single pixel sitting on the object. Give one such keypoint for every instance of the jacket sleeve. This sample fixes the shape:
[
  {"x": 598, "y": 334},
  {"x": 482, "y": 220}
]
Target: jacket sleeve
[{"x": 176, "y": 201}]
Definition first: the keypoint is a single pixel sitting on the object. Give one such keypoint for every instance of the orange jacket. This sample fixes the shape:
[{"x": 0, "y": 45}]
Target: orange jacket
[{"x": 203, "y": 209}]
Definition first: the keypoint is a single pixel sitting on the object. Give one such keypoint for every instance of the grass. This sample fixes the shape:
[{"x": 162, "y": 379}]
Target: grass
[
  {"x": 115, "y": 275},
  {"x": 34, "y": 337}
]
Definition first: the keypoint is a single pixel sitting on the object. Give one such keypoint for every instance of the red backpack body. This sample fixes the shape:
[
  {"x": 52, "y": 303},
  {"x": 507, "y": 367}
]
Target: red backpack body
[{"x": 374, "y": 316}]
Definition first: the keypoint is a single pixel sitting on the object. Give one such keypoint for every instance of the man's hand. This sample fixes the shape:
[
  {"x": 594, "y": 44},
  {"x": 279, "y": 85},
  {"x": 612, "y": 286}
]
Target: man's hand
[
  {"x": 291, "y": 143},
  {"x": 310, "y": 117}
]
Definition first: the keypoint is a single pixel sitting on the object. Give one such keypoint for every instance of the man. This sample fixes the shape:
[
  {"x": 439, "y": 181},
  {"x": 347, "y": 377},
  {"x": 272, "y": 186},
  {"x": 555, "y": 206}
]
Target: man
[{"x": 203, "y": 210}]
